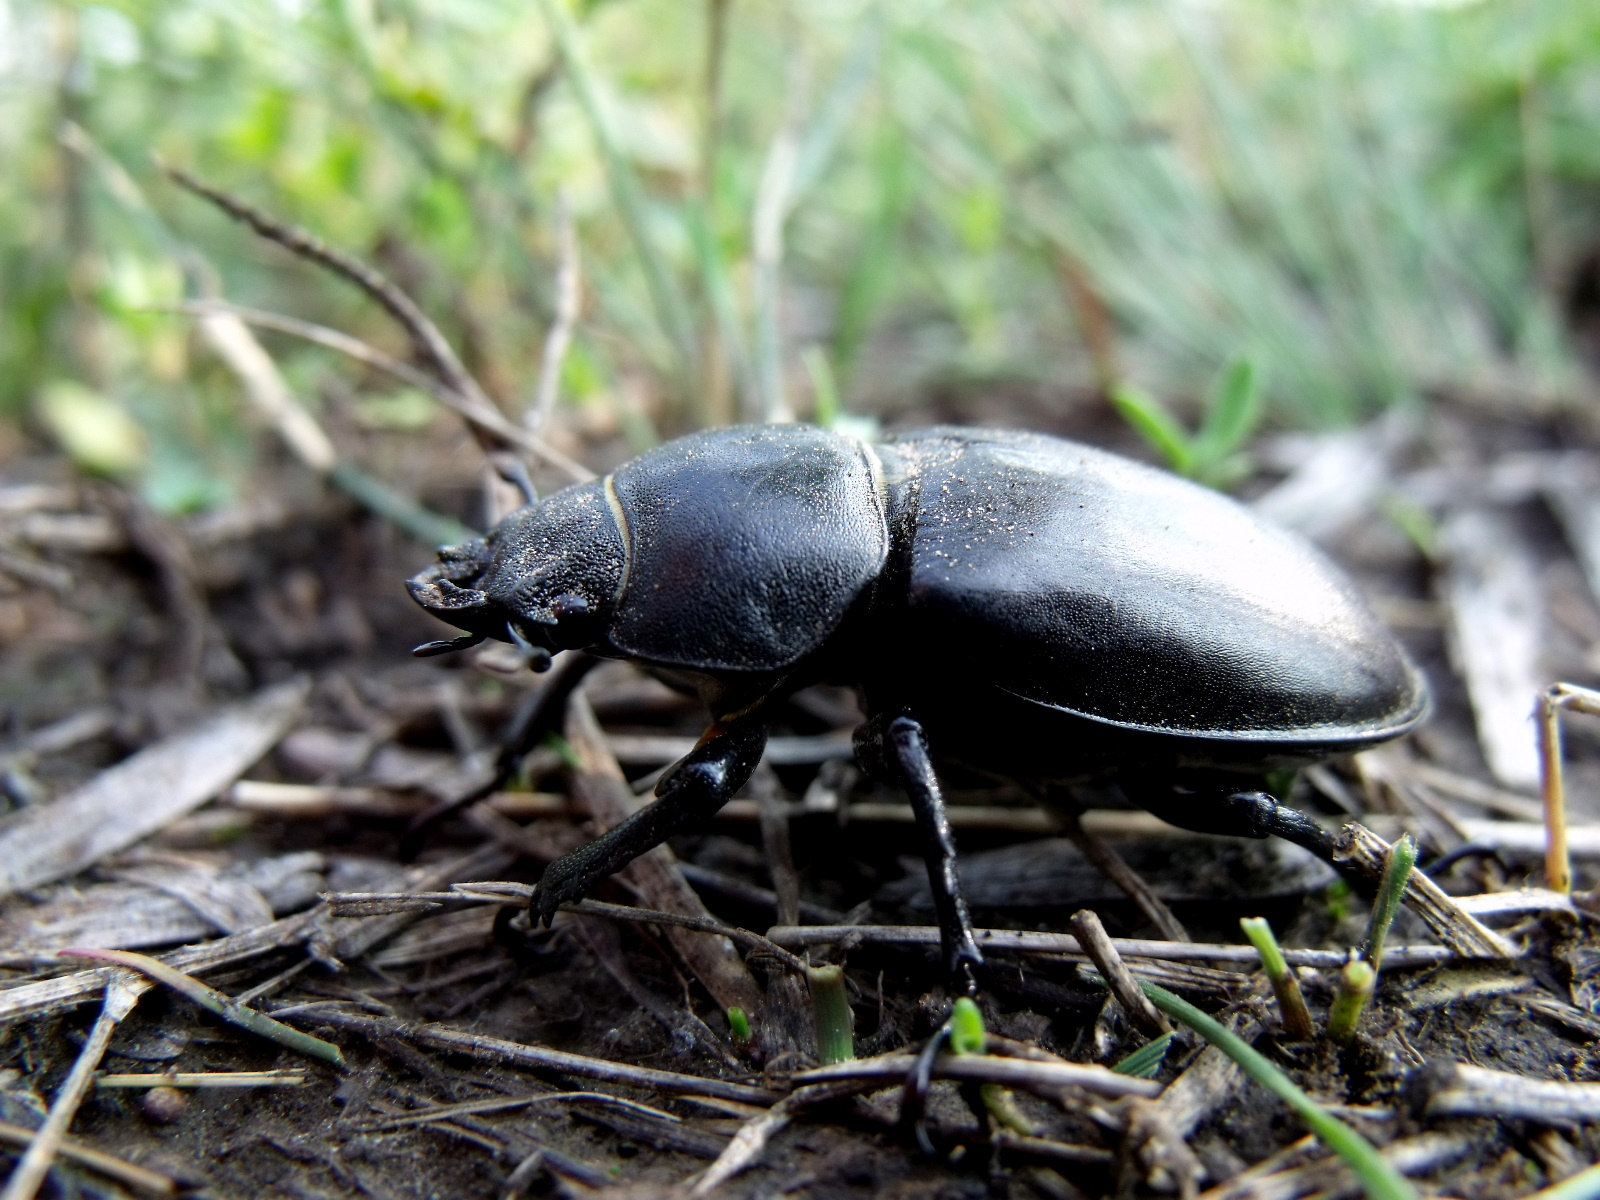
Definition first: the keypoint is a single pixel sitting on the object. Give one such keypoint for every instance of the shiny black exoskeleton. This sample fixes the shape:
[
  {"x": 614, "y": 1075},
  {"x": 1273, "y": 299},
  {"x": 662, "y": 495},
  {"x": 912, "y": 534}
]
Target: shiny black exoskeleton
[{"x": 1021, "y": 605}]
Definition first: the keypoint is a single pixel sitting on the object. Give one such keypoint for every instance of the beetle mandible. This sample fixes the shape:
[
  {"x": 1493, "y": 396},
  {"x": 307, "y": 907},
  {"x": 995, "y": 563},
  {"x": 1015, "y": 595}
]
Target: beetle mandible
[{"x": 1026, "y": 606}]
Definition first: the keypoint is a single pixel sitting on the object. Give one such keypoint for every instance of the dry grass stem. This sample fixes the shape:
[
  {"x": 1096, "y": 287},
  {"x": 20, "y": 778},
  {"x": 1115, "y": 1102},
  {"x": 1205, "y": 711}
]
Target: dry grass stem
[
  {"x": 45, "y": 997},
  {"x": 430, "y": 344},
  {"x": 569, "y": 299},
  {"x": 1553, "y": 701},
  {"x": 1329, "y": 1179},
  {"x": 445, "y": 1112},
  {"x": 647, "y": 916},
  {"x": 540, "y": 1058},
  {"x": 1463, "y": 1090},
  {"x": 1109, "y": 863},
  {"x": 1049, "y": 1079},
  {"x": 202, "y": 1079},
  {"x": 1063, "y": 1152},
  {"x": 489, "y": 419},
  {"x": 1027, "y": 941}
]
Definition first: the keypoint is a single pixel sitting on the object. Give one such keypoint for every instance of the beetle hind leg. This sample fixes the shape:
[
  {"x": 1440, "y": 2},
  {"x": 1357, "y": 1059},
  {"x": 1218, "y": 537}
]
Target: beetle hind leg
[
  {"x": 1220, "y": 809},
  {"x": 896, "y": 748}
]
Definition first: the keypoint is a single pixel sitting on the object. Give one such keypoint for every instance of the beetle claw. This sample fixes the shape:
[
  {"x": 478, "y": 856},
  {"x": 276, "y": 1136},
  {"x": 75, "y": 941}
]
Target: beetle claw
[{"x": 914, "y": 1093}]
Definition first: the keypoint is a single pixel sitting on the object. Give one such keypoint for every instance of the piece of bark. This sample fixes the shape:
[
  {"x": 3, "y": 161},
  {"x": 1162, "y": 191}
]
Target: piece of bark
[
  {"x": 1451, "y": 924},
  {"x": 1573, "y": 494},
  {"x": 602, "y": 788},
  {"x": 1463, "y": 1090},
  {"x": 1496, "y": 617},
  {"x": 140, "y": 795},
  {"x": 163, "y": 905}
]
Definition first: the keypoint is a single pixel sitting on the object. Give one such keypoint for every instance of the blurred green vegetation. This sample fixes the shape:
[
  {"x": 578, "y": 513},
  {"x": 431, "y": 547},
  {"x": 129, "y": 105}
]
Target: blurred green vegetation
[{"x": 800, "y": 208}]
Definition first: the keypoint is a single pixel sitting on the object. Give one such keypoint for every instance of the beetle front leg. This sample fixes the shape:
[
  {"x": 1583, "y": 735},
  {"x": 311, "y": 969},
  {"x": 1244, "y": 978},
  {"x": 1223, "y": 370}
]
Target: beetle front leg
[
  {"x": 900, "y": 745},
  {"x": 691, "y": 792}
]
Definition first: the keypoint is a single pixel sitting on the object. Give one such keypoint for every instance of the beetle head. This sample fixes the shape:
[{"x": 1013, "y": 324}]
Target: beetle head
[{"x": 546, "y": 578}]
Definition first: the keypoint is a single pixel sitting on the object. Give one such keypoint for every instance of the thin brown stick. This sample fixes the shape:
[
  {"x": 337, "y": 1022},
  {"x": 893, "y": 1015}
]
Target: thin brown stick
[
  {"x": 485, "y": 417},
  {"x": 444, "y": 1112},
  {"x": 1109, "y": 863},
  {"x": 139, "y": 1178},
  {"x": 1050, "y": 1079},
  {"x": 1097, "y": 945},
  {"x": 1552, "y": 701},
  {"x": 745, "y": 937},
  {"x": 121, "y": 996},
  {"x": 540, "y": 1058},
  {"x": 1061, "y": 943},
  {"x": 424, "y": 334}
]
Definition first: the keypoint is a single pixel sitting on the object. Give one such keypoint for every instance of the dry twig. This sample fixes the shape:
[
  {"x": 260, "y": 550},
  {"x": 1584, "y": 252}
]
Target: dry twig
[
  {"x": 1098, "y": 946},
  {"x": 121, "y": 996}
]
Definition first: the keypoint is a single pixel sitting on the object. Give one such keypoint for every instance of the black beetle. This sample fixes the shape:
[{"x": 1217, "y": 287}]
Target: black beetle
[{"x": 1025, "y": 606}]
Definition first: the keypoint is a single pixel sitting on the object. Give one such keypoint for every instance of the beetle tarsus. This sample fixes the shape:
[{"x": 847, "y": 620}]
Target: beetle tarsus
[
  {"x": 691, "y": 792},
  {"x": 1232, "y": 814},
  {"x": 904, "y": 739}
]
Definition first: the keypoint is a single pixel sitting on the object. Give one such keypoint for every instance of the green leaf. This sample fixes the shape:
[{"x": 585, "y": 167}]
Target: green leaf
[
  {"x": 966, "y": 1028},
  {"x": 96, "y": 432},
  {"x": 1233, "y": 413},
  {"x": 1154, "y": 422}
]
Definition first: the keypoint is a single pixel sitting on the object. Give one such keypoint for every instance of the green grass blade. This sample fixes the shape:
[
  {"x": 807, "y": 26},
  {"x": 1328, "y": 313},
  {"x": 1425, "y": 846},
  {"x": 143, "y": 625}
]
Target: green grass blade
[
  {"x": 1391, "y": 894},
  {"x": 1585, "y": 1185},
  {"x": 830, "y": 1008},
  {"x": 1379, "y": 1178},
  {"x": 1155, "y": 423},
  {"x": 1234, "y": 411},
  {"x": 1144, "y": 1062},
  {"x": 665, "y": 295}
]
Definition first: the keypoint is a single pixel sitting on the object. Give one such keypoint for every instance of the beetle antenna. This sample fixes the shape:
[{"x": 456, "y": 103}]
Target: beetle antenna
[
  {"x": 515, "y": 472},
  {"x": 536, "y": 657}
]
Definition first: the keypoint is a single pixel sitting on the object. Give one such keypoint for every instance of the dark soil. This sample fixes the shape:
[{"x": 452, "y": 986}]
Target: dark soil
[{"x": 319, "y": 592}]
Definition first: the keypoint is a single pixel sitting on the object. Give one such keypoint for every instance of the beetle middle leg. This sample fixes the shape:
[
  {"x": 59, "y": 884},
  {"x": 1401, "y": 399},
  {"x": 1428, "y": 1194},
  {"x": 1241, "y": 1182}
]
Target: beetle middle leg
[
  {"x": 696, "y": 787},
  {"x": 897, "y": 748}
]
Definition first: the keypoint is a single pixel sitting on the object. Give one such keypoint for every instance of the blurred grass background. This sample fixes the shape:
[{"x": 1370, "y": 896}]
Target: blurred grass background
[{"x": 822, "y": 210}]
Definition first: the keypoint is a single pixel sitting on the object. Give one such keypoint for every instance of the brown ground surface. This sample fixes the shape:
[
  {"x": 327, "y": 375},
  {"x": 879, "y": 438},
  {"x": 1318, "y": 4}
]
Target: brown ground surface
[{"x": 320, "y": 593}]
